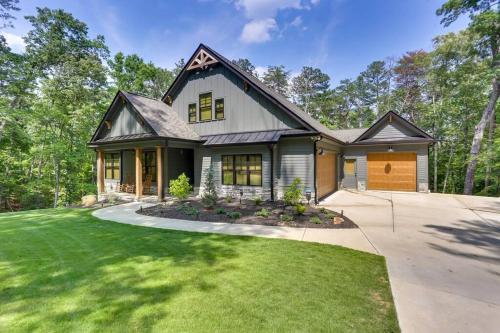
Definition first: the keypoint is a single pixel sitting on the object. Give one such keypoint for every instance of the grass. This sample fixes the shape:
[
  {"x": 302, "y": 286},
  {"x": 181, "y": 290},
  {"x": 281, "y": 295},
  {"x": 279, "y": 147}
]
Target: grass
[{"x": 64, "y": 270}]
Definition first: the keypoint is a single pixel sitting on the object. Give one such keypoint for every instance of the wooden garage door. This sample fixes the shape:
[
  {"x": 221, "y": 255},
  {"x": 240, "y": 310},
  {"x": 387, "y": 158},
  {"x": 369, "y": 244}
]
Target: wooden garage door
[
  {"x": 325, "y": 173},
  {"x": 392, "y": 171}
]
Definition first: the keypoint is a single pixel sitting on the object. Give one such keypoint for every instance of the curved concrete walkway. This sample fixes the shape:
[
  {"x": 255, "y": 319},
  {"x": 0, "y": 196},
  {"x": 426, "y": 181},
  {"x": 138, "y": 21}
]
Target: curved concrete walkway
[{"x": 126, "y": 213}]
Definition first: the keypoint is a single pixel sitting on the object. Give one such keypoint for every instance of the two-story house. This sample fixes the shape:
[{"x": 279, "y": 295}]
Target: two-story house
[{"x": 215, "y": 115}]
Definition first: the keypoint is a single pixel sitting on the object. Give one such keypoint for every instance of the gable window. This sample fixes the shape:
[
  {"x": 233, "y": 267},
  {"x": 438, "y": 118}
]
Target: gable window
[
  {"x": 219, "y": 108},
  {"x": 192, "y": 112},
  {"x": 112, "y": 165},
  {"x": 243, "y": 170},
  {"x": 206, "y": 107}
]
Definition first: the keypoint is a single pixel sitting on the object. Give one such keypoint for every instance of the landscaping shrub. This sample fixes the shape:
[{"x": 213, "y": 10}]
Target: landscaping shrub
[
  {"x": 233, "y": 215},
  {"x": 315, "y": 220},
  {"x": 180, "y": 187},
  {"x": 209, "y": 195},
  {"x": 300, "y": 209},
  {"x": 323, "y": 210},
  {"x": 286, "y": 218},
  {"x": 330, "y": 215},
  {"x": 293, "y": 194},
  {"x": 229, "y": 198},
  {"x": 257, "y": 200},
  {"x": 263, "y": 213},
  {"x": 187, "y": 209},
  {"x": 220, "y": 210}
]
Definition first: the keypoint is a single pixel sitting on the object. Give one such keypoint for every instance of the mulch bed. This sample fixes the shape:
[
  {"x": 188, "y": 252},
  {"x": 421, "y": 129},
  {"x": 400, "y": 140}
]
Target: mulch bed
[{"x": 193, "y": 210}]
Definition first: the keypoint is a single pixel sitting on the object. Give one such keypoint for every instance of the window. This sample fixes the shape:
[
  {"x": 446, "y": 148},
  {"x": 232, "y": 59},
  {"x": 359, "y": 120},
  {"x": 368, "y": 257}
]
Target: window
[
  {"x": 227, "y": 170},
  {"x": 219, "y": 108},
  {"x": 192, "y": 112},
  {"x": 242, "y": 170},
  {"x": 206, "y": 107},
  {"x": 149, "y": 165},
  {"x": 112, "y": 165}
]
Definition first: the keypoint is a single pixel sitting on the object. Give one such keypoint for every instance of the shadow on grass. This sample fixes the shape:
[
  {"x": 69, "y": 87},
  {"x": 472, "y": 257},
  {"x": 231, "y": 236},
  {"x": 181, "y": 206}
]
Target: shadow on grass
[{"x": 72, "y": 257}]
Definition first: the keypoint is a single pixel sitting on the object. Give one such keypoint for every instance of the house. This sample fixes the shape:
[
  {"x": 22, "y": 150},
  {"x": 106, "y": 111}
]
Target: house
[{"x": 215, "y": 115}]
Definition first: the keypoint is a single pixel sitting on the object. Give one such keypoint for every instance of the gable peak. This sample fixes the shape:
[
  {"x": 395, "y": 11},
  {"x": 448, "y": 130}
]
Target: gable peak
[{"x": 202, "y": 60}]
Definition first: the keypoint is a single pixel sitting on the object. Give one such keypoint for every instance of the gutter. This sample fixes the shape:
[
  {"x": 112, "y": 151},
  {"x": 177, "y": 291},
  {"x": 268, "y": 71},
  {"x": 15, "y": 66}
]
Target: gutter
[{"x": 316, "y": 139}]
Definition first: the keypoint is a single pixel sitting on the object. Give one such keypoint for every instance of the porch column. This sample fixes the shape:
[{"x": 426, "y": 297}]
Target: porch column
[
  {"x": 138, "y": 173},
  {"x": 159, "y": 172},
  {"x": 100, "y": 171}
]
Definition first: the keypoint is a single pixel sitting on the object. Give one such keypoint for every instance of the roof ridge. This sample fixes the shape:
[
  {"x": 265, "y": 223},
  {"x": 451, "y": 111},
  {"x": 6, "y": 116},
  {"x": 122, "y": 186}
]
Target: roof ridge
[{"x": 142, "y": 95}]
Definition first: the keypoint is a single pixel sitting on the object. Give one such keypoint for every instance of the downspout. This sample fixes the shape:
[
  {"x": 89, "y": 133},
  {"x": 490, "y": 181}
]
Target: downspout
[
  {"x": 271, "y": 151},
  {"x": 316, "y": 139}
]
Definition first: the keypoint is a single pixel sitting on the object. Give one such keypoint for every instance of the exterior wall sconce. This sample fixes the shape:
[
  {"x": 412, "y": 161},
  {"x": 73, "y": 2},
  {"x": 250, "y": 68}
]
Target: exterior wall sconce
[
  {"x": 390, "y": 149},
  {"x": 246, "y": 87},
  {"x": 321, "y": 151}
]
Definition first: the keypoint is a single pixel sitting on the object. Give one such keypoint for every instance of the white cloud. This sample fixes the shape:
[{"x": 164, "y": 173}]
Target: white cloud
[
  {"x": 262, "y": 17},
  {"x": 258, "y": 31},
  {"x": 260, "y": 9},
  {"x": 260, "y": 70},
  {"x": 15, "y": 42},
  {"x": 297, "y": 22},
  {"x": 314, "y": 2}
]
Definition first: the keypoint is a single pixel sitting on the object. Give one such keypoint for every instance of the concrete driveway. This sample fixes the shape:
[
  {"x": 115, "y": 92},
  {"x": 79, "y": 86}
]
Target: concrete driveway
[{"x": 443, "y": 255}]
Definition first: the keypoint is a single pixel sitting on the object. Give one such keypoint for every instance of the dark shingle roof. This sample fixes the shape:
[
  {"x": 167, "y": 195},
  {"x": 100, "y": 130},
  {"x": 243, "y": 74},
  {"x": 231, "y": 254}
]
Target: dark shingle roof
[
  {"x": 164, "y": 121},
  {"x": 129, "y": 137},
  {"x": 250, "y": 137}
]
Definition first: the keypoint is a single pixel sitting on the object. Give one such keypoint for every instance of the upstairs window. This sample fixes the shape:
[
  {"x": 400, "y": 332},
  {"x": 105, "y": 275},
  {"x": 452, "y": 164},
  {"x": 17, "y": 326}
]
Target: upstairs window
[
  {"x": 112, "y": 166},
  {"x": 192, "y": 112},
  {"x": 206, "y": 107},
  {"x": 219, "y": 108}
]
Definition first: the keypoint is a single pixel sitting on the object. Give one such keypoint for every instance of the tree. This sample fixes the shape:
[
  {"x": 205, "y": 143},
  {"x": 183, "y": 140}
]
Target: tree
[
  {"x": 179, "y": 65},
  {"x": 276, "y": 78},
  {"x": 6, "y": 7},
  {"x": 374, "y": 87},
  {"x": 131, "y": 73},
  {"x": 245, "y": 65},
  {"x": 485, "y": 21},
  {"x": 310, "y": 83}
]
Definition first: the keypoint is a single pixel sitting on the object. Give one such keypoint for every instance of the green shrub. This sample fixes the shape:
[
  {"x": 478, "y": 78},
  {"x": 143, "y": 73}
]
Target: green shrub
[
  {"x": 286, "y": 218},
  {"x": 209, "y": 195},
  {"x": 187, "y": 209},
  {"x": 263, "y": 213},
  {"x": 180, "y": 187},
  {"x": 323, "y": 210},
  {"x": 229, "y": 198},
  {"x": 330, "y": 215},
  {"x": 300, "y": 209},
  {"x": 293, "y": 194},
  {"x": 220, "y": 210},
  {"x": 315, "y": 220},
  {"x": 233, "y": 215},
  {"x": 257, "y": 200}
]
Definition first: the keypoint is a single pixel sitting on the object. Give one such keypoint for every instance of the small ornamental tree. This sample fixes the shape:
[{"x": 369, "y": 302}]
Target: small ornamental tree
[
  {"x": 180, "y": 187},
  {"x": 209, "y": 195},
  {"x": 293, "y": 194}
]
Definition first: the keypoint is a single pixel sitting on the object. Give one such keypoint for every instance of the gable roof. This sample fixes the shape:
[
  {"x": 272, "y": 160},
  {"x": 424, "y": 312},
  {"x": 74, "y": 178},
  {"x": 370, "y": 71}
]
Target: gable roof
[
  {"x": 418, "y": 134},
  {"x": 157, "y": 115},
  {"x": 282, "y": 102},
  {"x": 348, "y": 135}
]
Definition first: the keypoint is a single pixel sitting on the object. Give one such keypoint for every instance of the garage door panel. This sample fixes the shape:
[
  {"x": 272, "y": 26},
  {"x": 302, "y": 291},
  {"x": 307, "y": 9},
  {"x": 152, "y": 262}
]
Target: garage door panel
[
  {"x": 392, "y": 171},
  {"x": 326, "y": 173}
]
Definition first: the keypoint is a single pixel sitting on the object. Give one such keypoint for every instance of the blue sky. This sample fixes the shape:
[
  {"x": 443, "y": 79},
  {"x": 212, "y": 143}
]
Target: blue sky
[{"x": 339, "y": 36}]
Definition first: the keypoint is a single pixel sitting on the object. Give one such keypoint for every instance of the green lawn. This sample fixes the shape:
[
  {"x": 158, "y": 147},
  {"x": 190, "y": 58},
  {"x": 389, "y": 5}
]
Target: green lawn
[{"x": 64, "y": 270}]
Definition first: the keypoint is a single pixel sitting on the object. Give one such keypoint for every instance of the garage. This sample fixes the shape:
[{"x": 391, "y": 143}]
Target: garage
[
  {"x": 325, "y": 172},
  {"x": 392, "y": 171}
]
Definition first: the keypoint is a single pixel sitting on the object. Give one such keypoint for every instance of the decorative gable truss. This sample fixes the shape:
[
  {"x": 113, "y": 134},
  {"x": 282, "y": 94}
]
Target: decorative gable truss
[{"x": 202, "y": 60}]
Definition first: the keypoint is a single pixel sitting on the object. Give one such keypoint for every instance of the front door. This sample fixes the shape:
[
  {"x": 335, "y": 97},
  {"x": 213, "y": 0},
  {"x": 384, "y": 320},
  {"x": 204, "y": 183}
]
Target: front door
[
  {"x": 148, "y": 171},
  {"x": 350, "y": 179}
]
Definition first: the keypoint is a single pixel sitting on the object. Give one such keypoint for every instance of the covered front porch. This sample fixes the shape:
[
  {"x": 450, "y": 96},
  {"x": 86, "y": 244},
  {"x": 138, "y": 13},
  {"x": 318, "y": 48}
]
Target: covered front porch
[{"x": 140, "y": 170}]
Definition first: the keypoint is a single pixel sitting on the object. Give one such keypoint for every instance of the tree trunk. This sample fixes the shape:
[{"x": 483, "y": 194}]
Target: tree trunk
[
  {"x": 436, "y": 149},
  {"x": 491, "y": 133},
  {"x": 448, "y": 168},
  {"x": 57, "y": 174},
  {"x": 478, "y": 137}
]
